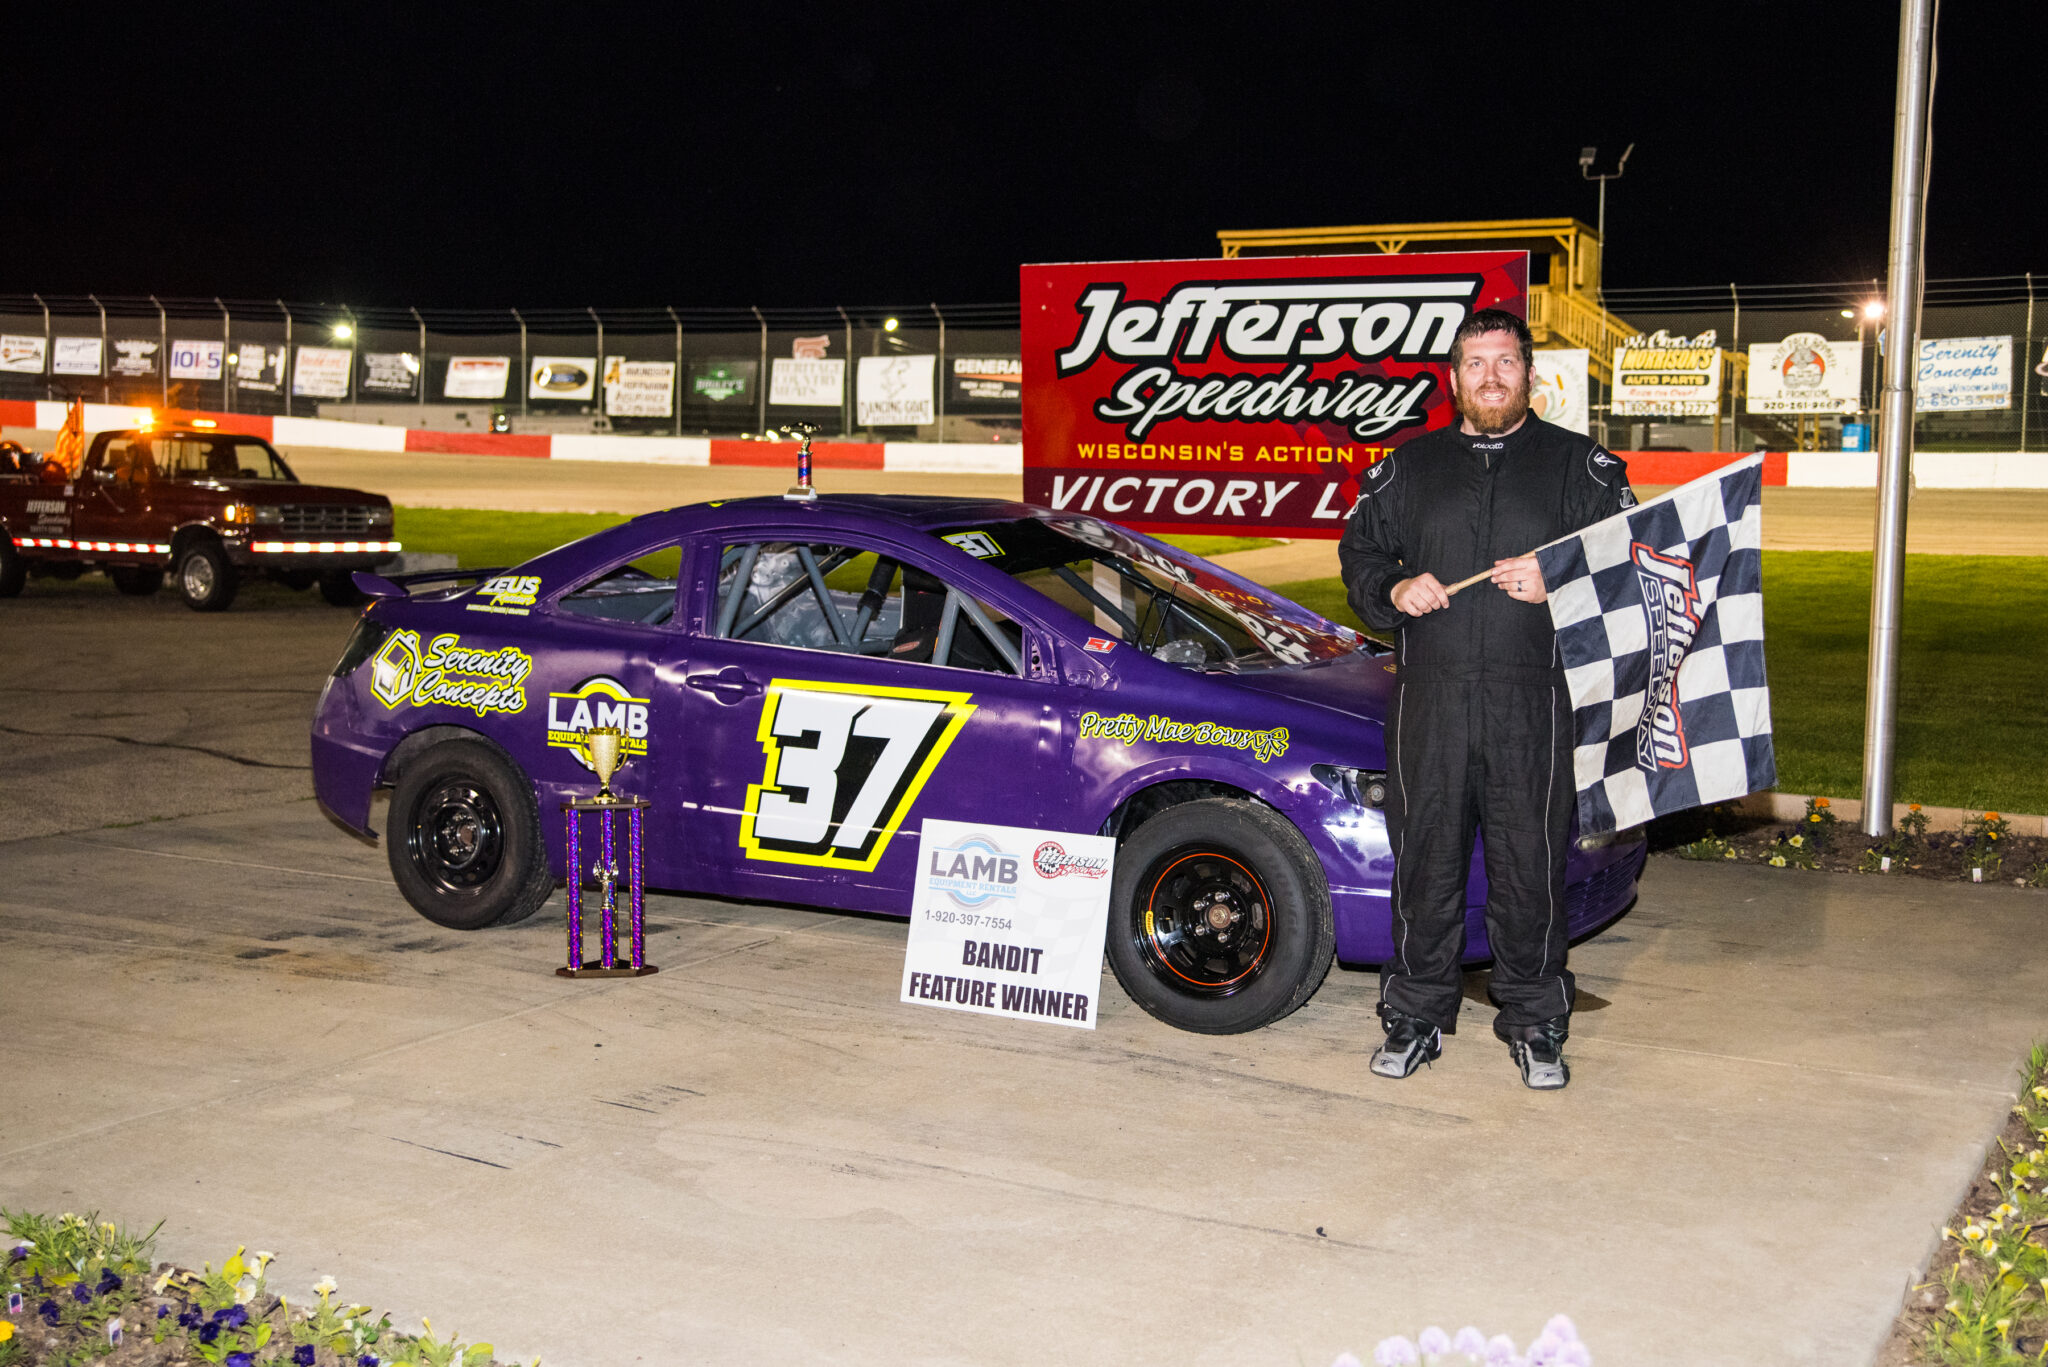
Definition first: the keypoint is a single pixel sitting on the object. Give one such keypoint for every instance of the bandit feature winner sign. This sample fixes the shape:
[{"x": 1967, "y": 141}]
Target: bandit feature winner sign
[
  {"x": 1009, "y": 922},
  {"x": 1227, "y": 396}
]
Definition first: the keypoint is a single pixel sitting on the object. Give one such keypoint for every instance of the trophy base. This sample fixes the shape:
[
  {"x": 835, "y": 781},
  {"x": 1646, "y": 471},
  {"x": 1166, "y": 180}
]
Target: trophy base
[{"x": 598, "y": 970}]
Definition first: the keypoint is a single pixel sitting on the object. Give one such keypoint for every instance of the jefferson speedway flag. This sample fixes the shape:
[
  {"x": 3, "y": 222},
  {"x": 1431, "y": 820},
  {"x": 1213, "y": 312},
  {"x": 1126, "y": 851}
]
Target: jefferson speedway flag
[{"x": 1660, "y": 622}]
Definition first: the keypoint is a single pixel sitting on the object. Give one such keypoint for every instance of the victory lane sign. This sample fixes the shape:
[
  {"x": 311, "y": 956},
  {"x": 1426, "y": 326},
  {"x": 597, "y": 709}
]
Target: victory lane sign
[
  {"x": 1227, "y": 396},
  {"x": 1009, "y": 922}
]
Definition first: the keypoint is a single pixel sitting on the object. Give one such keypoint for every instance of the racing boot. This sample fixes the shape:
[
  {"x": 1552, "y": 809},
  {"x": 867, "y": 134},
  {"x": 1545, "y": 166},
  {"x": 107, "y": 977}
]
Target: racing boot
[
  {"x": 1538, "y": 1050},
  {"x": 1410, "y": 1043}
]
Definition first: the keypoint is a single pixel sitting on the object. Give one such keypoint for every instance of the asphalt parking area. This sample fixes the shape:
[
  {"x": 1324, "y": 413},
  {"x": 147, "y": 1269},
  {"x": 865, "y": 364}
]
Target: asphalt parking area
[{"x": 220, "y": 1012}]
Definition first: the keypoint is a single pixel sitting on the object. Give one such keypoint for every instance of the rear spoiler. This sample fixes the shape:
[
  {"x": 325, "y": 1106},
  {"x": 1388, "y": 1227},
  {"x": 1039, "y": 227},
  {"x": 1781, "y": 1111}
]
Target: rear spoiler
[{"x": 402, "y": 585}]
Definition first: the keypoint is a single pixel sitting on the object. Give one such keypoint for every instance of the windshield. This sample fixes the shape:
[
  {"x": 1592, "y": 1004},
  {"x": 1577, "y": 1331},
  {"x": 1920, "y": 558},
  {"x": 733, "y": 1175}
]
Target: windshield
[
  {"x": 187, "y": 455},
  {"x": 1173, "y": 606}
]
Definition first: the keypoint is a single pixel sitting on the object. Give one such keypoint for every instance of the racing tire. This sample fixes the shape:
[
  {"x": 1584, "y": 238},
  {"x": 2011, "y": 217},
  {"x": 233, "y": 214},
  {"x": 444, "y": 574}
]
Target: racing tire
[
  {"x": 339, "y": 588},
  {"x": 463, "y": 837},
  {"x": 137, "y": 581},
  {"x": 207, "y": 580},
  {"x": 1219, "y": 917},
  {"x": 13, "y": 569}
]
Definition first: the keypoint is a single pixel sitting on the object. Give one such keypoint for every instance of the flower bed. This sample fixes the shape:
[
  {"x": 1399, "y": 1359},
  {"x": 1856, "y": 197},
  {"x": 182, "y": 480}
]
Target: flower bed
[
  {"x": 80, "y": 1289},
  {"x": 1984, "y": 851}
]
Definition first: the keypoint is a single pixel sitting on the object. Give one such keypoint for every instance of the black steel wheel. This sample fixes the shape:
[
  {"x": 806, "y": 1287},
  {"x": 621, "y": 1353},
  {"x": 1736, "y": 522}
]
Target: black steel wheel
[
  {"x": 207, "y": 579},
  {"x": 1220, "y": 917},
  {"x": 463, "y": 838},
  {"x": 137, "y": 581},
  {"x": 13, "y": 569}
]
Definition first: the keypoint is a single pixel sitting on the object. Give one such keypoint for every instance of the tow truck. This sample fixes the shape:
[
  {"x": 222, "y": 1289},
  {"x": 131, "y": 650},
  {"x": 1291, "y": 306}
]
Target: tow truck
[{"x": 210, "y": 508}]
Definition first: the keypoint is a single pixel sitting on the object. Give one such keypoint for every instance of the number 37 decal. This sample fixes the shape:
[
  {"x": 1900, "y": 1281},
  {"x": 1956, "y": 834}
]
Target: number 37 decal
[{"x": 845, "y": 761}]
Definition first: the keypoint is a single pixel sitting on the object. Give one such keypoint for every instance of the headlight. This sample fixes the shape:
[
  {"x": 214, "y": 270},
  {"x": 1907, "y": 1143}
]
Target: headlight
[
  {"x": 380, "y": 517},
  {"x": 1359, "y": 787},
  {"x": 244, "y": 512}
]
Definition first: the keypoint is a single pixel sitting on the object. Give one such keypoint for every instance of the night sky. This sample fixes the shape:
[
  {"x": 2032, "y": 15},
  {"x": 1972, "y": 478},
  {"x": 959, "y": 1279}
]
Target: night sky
[{"x": 708, "y": 154}]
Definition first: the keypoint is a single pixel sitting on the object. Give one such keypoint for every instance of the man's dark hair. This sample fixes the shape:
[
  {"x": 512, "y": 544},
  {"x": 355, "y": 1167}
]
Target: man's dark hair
[{"x": 1493, "y": 320}]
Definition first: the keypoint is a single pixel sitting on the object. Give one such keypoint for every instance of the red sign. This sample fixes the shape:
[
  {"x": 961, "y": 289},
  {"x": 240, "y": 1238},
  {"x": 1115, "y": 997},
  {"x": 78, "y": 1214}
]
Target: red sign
[{"x": 1240, "y": 396}]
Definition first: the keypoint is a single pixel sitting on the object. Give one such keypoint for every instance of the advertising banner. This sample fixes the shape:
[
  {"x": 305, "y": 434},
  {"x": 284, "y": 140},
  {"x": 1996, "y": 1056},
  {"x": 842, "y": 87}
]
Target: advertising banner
[
  {"x": 639, "y": 389},
  {"x": 136, "y": 356},
  {"x": 259, "y": 367},
  {"x": 1662, "y": 376},
  {"x": 1009, "y": 922},
  {"x": 894, "y": 391},
  {"x": 22, "y": 354},
  {"x": 77, "y": 356},
  {"x": 394, "y": 373},
  {"x": 571, "y": 379},
  {"x": 198, "y": 360},
  {"x": 806, "y": 383},
  {"x": 1805, "y": 373},
  {"x": 722, "y": 382},
  {"x": 1559, "y": 387},
  {"x": 321, "y": 372},
  {"x": 1243, "y": 394},
  {"x": 986, "y": 383},
  {"x": 1958, "y": 374},
  {"x": 477, "y": 377}
]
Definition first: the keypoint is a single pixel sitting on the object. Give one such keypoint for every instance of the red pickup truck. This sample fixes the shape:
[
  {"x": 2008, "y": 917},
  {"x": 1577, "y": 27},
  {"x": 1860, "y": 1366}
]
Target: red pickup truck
[{"x": 211, "y": 508}]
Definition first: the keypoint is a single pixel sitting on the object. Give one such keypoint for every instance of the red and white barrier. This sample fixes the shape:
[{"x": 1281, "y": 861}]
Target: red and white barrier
[{"x": 1796, "y": 469}]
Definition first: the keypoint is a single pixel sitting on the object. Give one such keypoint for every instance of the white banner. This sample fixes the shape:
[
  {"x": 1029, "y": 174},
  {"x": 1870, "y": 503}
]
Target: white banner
[
  {"x": 1559, "y": 387},
  {"x": 1962, "y": 373},
  {"x": 321, "y": 372},
  {"x": 1664, "y": 376},
  {"x": 639, "y": 389},
  {"x": 76, "y": 356},
  {"x": 389, "y": 372},
  {"x": 259, "y": 367},
  {"x": 477, "y": 377},
  {"x": 135, "y": 356},
  {"x": 894, "y": 391},
  {"x": 806, "y": 384},
  {"x": 21, "y": 354},
  {"x": 569, "y": 378},
  {"x": 1805, "y": 373},
  {"x": 1009, "y": 922},
  {"x": 198, "y": 360}
]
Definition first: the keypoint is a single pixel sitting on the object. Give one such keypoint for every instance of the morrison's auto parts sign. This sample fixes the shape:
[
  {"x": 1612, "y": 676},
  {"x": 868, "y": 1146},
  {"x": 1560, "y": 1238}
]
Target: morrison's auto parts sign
[{"x": 1229, "y": 395}]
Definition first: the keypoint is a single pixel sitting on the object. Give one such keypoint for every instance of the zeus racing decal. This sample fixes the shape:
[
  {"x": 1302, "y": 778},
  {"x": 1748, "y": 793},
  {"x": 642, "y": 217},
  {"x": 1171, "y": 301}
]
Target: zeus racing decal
[
  {"x": 597, "y": 701},
  {"x": 444, "y": 673},
  {"x": 1671, "y": 601},
  {"x": 844, "y": 763},
  {"x": 512, "y": 594},
  {"x": 1130, "y": 728}
]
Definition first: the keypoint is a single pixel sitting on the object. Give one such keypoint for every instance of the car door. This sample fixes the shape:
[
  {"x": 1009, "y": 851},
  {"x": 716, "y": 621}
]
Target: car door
[
  {"x": 840, "y": 689},
  {"x": 115, "y": 498}
]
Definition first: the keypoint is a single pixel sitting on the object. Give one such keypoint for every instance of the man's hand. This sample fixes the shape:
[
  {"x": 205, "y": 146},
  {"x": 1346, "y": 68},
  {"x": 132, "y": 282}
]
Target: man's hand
[
  {"x": 1420, "y": 595},
  {"x": 1520, "y": 579}
]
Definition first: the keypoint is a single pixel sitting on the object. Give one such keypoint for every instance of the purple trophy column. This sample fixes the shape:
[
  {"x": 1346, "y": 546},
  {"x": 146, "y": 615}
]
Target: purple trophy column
[
  {"x": 639, "y": 898},
  {"x": 575, "y": 896},
  {"x": 608, "y": 914}
]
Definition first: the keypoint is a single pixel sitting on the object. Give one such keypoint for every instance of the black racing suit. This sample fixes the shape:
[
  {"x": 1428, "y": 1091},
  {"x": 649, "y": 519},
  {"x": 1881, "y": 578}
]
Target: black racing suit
[{"x": 1480, "y": 732}]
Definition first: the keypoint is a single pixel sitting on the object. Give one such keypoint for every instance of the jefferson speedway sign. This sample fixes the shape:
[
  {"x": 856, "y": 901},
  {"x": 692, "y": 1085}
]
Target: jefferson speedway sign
[{"x": 1225, "y": 395}]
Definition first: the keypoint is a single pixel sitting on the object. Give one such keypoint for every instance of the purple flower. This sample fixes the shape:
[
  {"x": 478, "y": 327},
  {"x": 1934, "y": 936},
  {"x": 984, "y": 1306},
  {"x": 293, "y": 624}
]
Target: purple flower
[
  {"x": 191, "y": 1318},
  {"x": 234, "y": 1317},
  {"x": 80, "y": 1294},
  {"x": 48, "y": 1310},
  {"x": 1394, "y": 1352},
  {"x": 1433, "y": 1341},
  {"x": 1562, "y": 1326},
  {"x": 1500, "y": 1350},
  {"x": 367, "y": 1360},
  {"x": 303, "y": 1355},
  {"x": 162, "y": 1310},
  {"x": 1470, "y": 1342},
  {"x": 108, "y": 1282},
  {"x": 208, "y": 1332},
  {"x": 240, "y": 1360},
  {"x": 20, "y": 1251}
]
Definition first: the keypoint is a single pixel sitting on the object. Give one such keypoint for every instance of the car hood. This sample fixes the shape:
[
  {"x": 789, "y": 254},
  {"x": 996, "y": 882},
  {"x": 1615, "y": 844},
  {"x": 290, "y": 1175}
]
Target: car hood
[{"x": 1358, "y": 686}]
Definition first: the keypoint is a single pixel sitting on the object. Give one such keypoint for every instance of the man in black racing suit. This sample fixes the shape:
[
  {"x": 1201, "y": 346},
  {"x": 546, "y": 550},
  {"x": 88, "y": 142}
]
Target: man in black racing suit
[{"x": 1480, "y": 730}]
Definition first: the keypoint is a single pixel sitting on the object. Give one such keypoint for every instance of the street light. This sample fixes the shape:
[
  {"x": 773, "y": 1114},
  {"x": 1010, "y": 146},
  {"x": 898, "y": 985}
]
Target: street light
[
  {"x": 1587, "y": 156},
  {"x": 342, "y": 332}
]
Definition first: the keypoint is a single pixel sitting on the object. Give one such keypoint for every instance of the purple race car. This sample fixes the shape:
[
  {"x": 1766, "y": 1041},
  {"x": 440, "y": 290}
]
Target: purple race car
[{"x": 801, "y": 682}]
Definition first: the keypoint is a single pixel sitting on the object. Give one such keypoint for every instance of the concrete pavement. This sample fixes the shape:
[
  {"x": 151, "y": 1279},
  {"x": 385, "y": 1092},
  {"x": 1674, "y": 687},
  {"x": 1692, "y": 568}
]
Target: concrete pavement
[{"x": 226, "y": 1017}]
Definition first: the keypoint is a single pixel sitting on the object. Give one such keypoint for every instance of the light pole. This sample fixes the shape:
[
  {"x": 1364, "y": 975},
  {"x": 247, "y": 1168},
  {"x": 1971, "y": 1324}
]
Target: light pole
[{"x": 1586, "y": 156}]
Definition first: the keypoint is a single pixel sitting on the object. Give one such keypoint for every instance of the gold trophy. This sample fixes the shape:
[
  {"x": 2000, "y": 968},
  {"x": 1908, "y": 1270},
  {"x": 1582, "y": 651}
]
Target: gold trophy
[{"x": 606, "y": 747}]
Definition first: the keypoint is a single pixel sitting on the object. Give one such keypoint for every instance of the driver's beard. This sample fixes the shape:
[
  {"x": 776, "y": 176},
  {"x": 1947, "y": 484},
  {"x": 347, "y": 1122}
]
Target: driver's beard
[{"x": 1493, "y": 419}]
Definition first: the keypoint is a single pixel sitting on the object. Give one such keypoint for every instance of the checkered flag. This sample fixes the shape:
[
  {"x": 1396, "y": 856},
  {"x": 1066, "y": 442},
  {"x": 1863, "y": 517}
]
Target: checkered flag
[{"x": 1660, "y": 622}]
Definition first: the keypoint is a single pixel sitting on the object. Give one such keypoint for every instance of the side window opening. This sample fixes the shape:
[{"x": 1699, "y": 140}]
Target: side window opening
[
  {"x": 642, "y": 592},
  {"x": 840, "y": 598}
]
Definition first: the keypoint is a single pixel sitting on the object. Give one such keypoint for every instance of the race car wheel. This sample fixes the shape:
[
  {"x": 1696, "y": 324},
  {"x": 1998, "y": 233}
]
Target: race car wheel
[
  {"x": 13, "y": 569},
  {"x": 207, "y": 579},
  {"x": 339, "y": 588},
  {"x": 137, "y": 581},
  {"x": 1220, "y": 917},
  {"x": 463, "y": 837}
]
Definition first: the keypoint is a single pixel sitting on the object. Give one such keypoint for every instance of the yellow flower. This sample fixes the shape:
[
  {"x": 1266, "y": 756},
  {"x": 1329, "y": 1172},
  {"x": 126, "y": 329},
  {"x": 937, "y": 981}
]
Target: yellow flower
[
  {"x": 1814, "y": 817},
  {"x": 1778, "y": 862},
  {"x": 1953, "y": 1306},
  {"x": 1946, "y": 1233},
  {"x": 2004, "y": 1266},
  {"x": 1798, "y": 840},
  {"x": 6, "y": 1330},
  {"x": 1973, "y": 1232},
  {"x": 2002, "y": 1326}
]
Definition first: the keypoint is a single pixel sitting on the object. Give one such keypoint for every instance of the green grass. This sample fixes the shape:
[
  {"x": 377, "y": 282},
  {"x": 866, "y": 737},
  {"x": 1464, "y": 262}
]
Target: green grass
[
  {"x": 1211, "y": 546},
  {"x": 1972, "y": 658}
]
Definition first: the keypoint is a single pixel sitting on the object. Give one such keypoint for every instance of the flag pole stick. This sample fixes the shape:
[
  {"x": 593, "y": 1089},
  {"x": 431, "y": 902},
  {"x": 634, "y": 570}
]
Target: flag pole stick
[{"x": 1470, "y": 581}]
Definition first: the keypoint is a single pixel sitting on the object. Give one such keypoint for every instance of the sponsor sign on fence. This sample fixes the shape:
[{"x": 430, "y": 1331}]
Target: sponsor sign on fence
[
  {"x": 259, "y": 367},
  {"x": 391, "y": 372},
  {"x": 1009, "y": 922},
  {"x": 135, "y": 357},
  {"x": 1963, "y": 373},
  {"x": 722, "y": 382},
  {"x": 76, "y": 356},
  {"x": 1244, "y": 393},
  {"x": 22, "y": 355},
  {"x": 198, "y": 360},
  {"x": 894, "y": 391},
  {"x": 986, "y": 382},
  {"x": 321, "y": 372},
  {"x": 1662, "y": 376},
  {"x": 639, "y": 389},
  {"x": 1560, "y": 388},
  {"x": 477, "y": 377},
  {"x": 572, "y": 379},
  {"x": 798, "y": 382},
  {"x": 1805, "y": 373}
]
